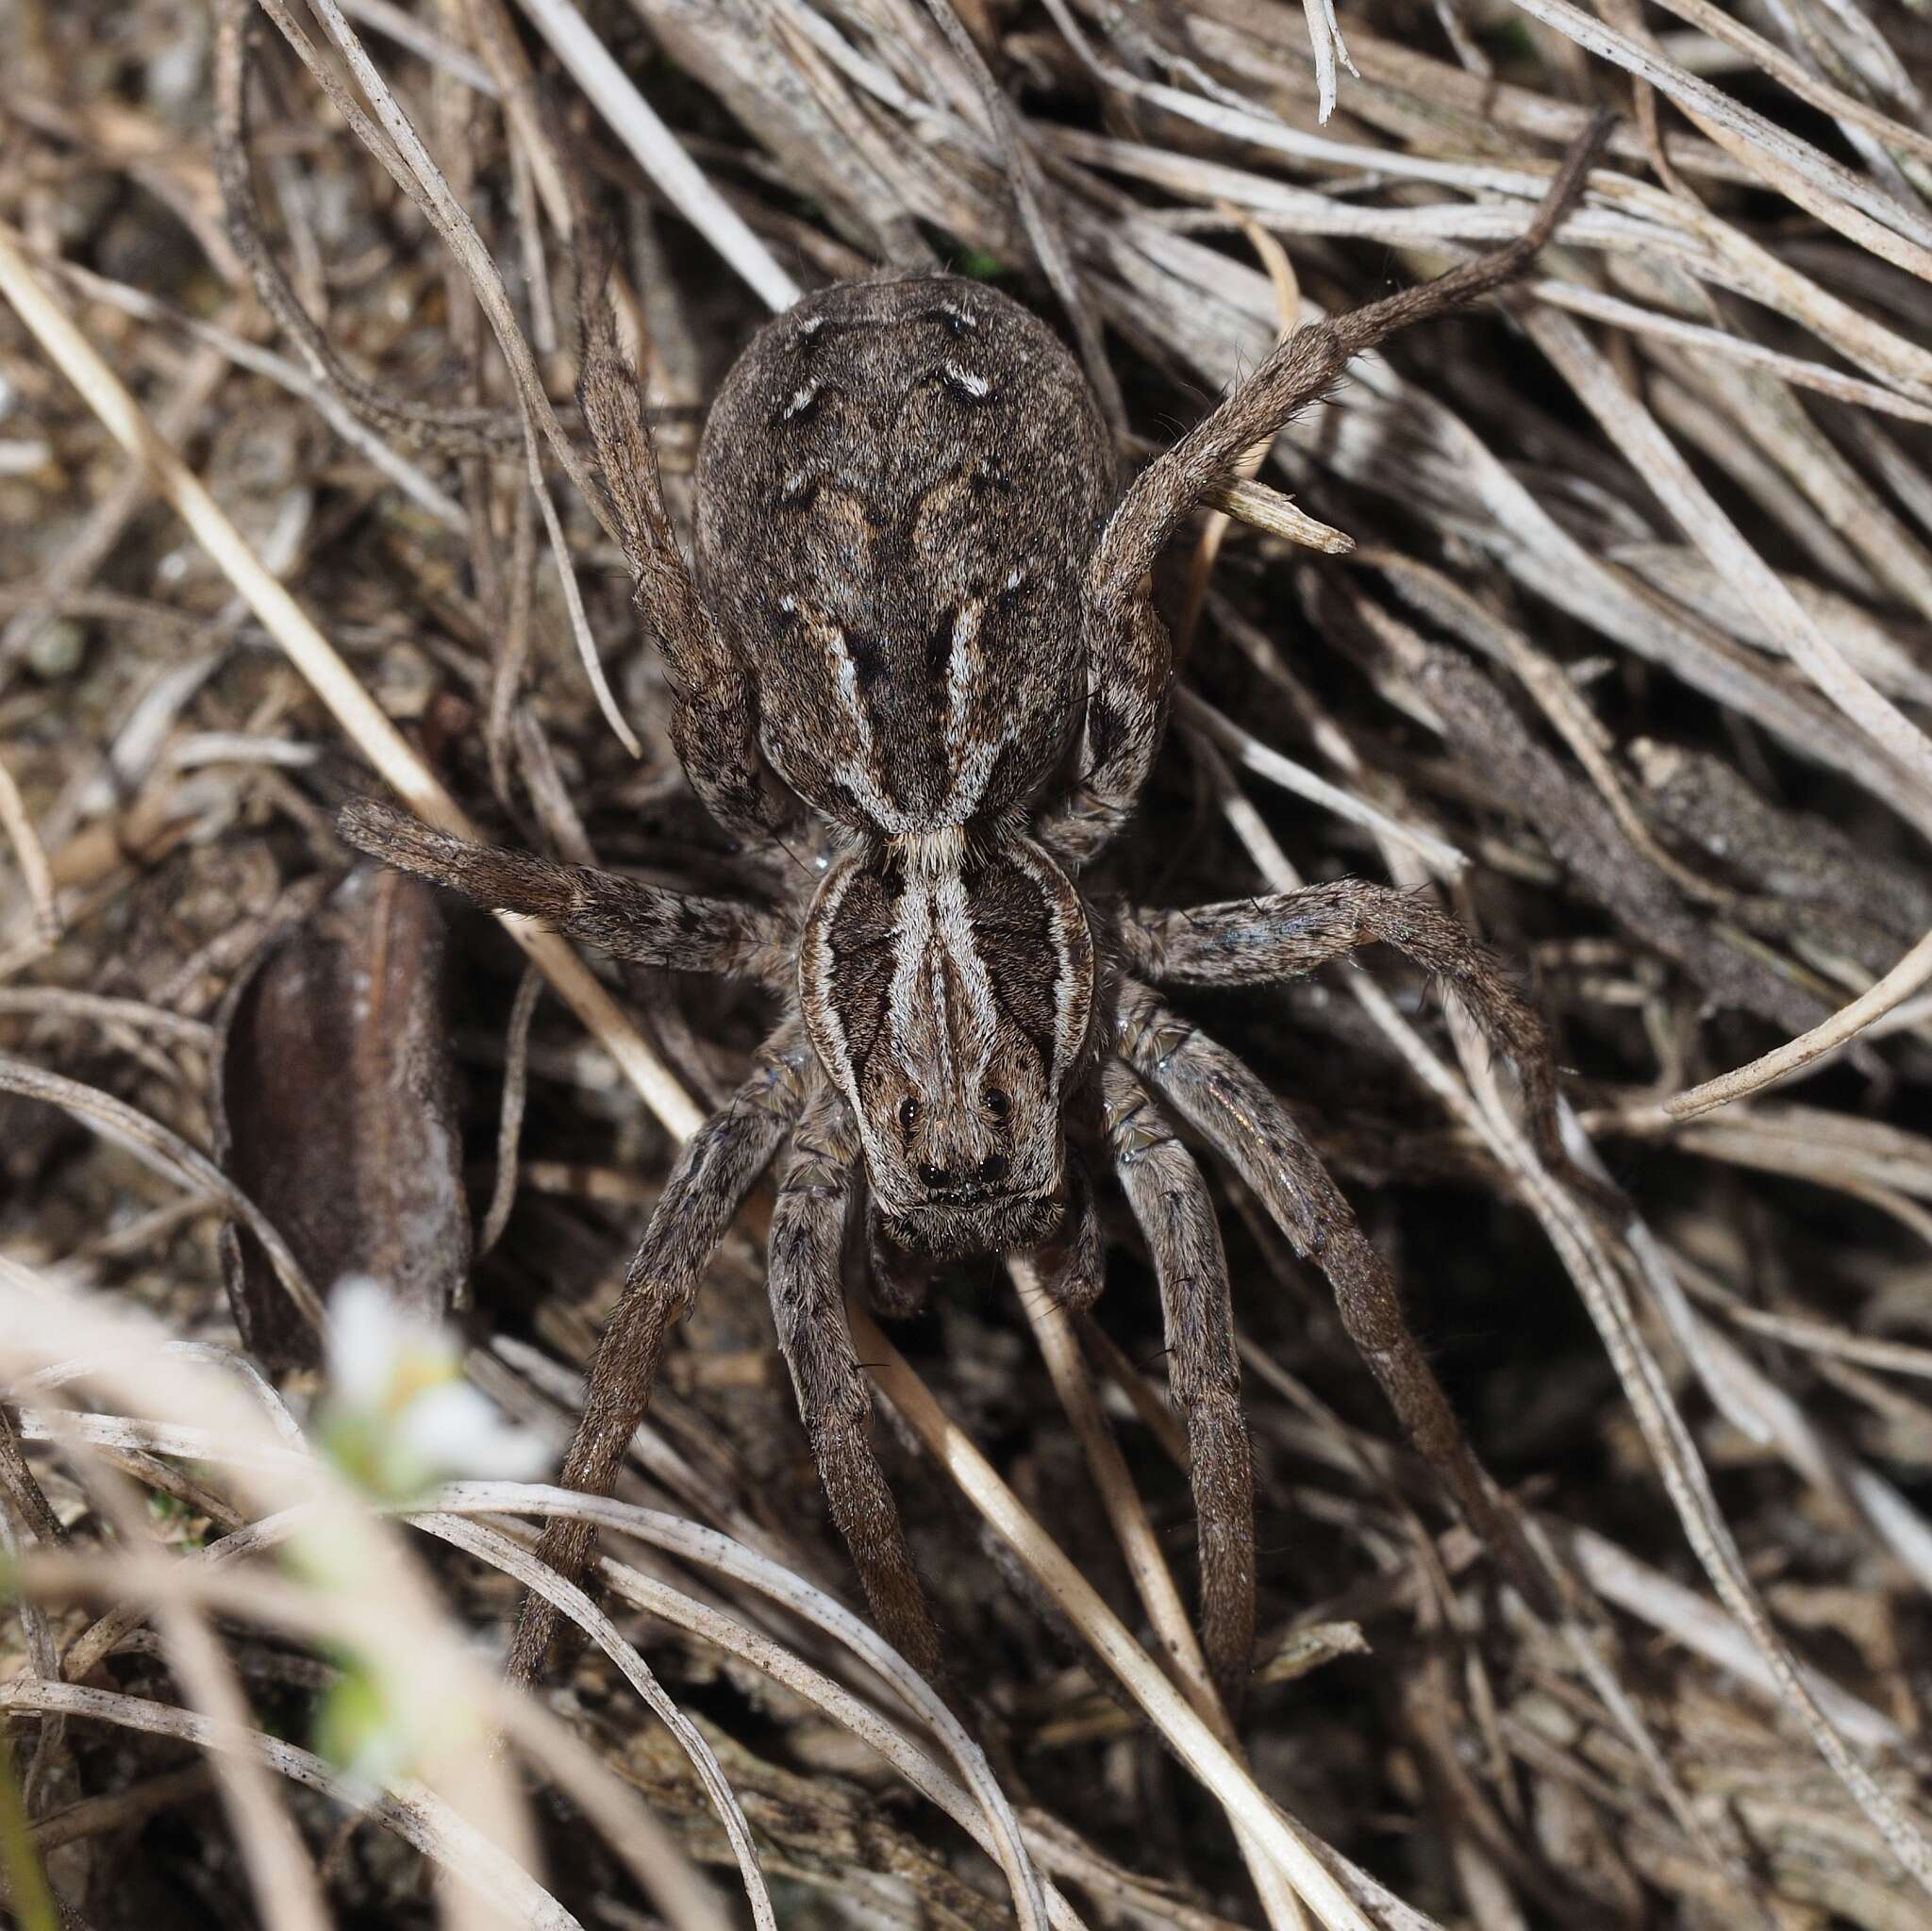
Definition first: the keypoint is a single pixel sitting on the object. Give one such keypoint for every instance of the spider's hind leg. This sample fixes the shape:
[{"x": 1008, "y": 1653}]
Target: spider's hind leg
[
  {"x": 1130, "y": 656},
  {"x": 806, "y": 1282},
  {"x": 713, "y": 706},
  {"x": 1229, "y": 1107},
  {"x": 1305, "y": 367},
  {"x": 1129, "y": 671},
  {"x": 717, "y": 1169},
  {"x": 1171, "y": 1202}
]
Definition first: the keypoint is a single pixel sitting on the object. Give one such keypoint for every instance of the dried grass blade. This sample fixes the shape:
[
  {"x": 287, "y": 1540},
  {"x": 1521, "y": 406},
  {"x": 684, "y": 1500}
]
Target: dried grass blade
[
  {"x": 1442, "y": 858},
  {"x": 1635, "y": 431},
  {"x": 712, "y": 1549},
  {"x": 657, "y": 151},
  {"x": 333, "y": 681},
  {"x": 415, "y": 1816},
  {"x": 168, "y": 1153},
  {"x": 1153, "y": 1580},
  {"x": 1845, "y": 1025},
  {"x": 1268, "y": 509},
  {"x": 1325, "y": 42},
  {"x": 1848, "y": 202},
  {"x": 1193, "y": 1740},
  {"x": 497, "y": 1550},
  {"x": 32, "y": 859},
  {"x": 574, "y": 602},
  {"x": 281, "y": 1873}
]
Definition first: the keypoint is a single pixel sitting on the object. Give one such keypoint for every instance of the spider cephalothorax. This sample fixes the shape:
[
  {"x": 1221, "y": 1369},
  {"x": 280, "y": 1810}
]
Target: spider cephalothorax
[
  {"x": 948, "y": 992},
  {"x": 918, "y": 644}
]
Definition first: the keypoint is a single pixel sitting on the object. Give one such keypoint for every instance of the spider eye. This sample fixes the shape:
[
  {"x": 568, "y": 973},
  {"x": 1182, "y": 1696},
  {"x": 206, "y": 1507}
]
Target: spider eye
[
  {"x": 908, "y": 1113},
  {"x": 996, "y": 1103}
]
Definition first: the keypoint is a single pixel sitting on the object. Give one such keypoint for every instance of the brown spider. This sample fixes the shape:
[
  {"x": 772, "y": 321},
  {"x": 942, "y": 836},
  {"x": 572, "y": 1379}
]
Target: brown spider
[{"x": 918, "y": 645}]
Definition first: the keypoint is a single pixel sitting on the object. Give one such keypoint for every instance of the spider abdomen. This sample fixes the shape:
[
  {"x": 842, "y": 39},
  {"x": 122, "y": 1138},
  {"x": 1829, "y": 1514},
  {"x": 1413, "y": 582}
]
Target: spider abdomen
[{"x": 898, "y": 489}]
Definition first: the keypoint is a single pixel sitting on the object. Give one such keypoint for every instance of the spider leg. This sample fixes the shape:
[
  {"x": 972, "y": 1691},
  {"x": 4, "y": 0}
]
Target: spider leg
[
  {"x": 1129, "y": 669},
  {"x": 717, "y": 1169},
  {"x": 1130, "y": 655},
  {"x": 804, "y": 1280},
  {"x": 1169, "y": 1200},
  {"x": 1247, "y": 942},
  {"x": 714, "y": 708},
  {"x": 1243, "y": 1122},
  {"x": 621, "y": 916},
  {"x": 1305, "y": 367}
]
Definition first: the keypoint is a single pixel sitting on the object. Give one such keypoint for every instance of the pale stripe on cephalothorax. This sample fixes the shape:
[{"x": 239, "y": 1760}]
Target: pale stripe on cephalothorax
[
  {"x": 816, "y": 961},
  {"x": 943, "y": 920},
  {"x": 939, "y": 959},
  {"x": 945, "y": 1072},
  {"x": 1073, "y": 948},
  {"x": 963, "y": 945},
  {"x": 910, "y": 946},
  {"x": 936, "y": 908}
]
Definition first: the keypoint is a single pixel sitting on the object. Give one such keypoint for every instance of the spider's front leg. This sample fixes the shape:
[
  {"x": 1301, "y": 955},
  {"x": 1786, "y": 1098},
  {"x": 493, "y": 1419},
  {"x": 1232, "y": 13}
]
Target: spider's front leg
[
  {"x": 1250, "y": 1128},
  {"x": 624, "y": 917},
  {"x": 806, "y": 1282},
  {"x": 719, "y": 1166},
  {"x": 1169, "y": 1200},
  {"x": 1251, "y": 942}
]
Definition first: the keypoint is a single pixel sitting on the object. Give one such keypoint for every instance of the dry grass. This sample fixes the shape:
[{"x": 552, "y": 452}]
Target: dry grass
[{"x": 1605, "y": 615}]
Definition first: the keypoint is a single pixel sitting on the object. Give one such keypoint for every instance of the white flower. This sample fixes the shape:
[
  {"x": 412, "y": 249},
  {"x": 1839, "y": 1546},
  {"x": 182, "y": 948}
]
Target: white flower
[
  {"x": 368, "y": 1336},
  {"x": 459, "y": 1429},
  {"x": 397, "y": 1414}
]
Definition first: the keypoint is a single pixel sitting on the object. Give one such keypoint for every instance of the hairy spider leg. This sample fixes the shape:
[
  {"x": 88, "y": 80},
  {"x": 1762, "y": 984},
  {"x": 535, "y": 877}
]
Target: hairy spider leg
[
  {"x": 1250, "y": 942},
  {"x": 719, "y": 1166},
  {"x": 625, "y": 917},
  {"x": 804, "y": 1278},
  {"x": 1228, "y": 1105},
  {"x": 1301, "y": 370},
  {"x": 1171, "y": 1202},
  {"x": 714, "y": 719},
  {"x": 1129, "y": 673},
  {"x": 1130, "y": 654}
]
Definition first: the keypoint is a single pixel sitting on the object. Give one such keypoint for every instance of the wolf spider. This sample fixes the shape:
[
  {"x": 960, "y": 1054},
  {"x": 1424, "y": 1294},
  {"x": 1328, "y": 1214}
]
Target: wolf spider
[{"x": 918, "y": 644}]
